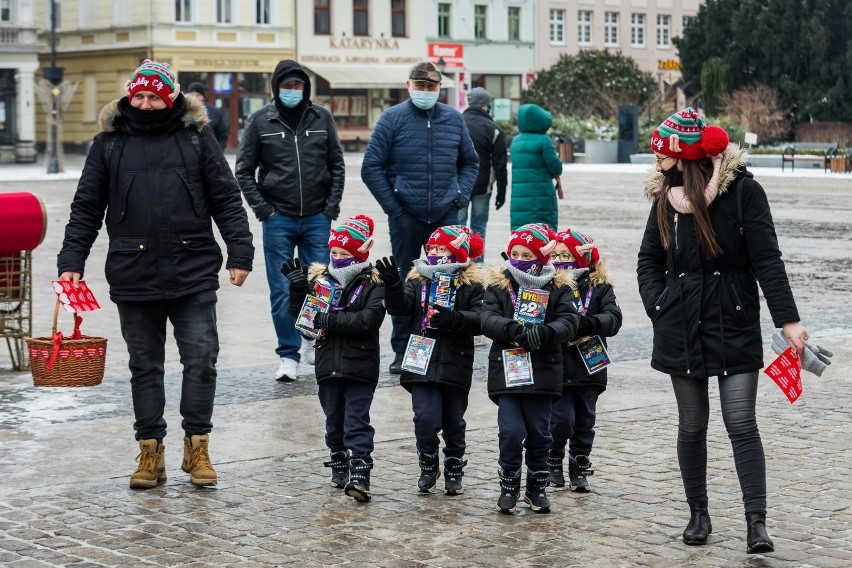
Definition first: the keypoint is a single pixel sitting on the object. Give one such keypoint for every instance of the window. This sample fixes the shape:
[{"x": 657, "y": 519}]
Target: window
[
  {"x": 86, "y": 14},
  {"x": 322, "y": 17},
  {"x": 610, "y": 28},
  {"x": 224, "y": 11},
  {"x": 122, "y": 13},
  {"x": 444, "y": 20},
  {"x": 664, "y": 29},
  {"x": 584, "y": 27},
  {"x": 183, "y": 11},
  {"x": 514, "y": 23},
  {"x": 5, "y": 10},
  {"x": 360, "y": 17},
  {"x": 557, "y": 27},
  {"x": 480, "y": 20},
  {"x": 500, "y": 87},
  {"x": 637, "y": 30},
  {"x": 262, "y": 11},
  {"x": 687, "y": 20},
  {"x": 398, "y": 18}
]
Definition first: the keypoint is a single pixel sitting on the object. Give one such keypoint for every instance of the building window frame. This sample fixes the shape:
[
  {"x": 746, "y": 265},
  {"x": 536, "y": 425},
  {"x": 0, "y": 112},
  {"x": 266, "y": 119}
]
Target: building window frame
[
  {"x": 611, "y": 23},
  {"x": 480, "y": 21},
  {"x": 360, "y": 18},
  {"x": 514, "y": 23},
  {"x": 226, "y": 12},
  {"x": 322, "y": 17},
  {"x": 399, "y": 18},
  {"x": 637, "y": 29},
  {"x": 184, "y": 11},
  {"x": 664, "y": 31},
  {"x": 585, "y": 19},
  {"x": 6, "y": 11},
  {"x": 263, "y": 12},
  {"x": 556, "y": 22},
  {"x": 445, "y": 19}
]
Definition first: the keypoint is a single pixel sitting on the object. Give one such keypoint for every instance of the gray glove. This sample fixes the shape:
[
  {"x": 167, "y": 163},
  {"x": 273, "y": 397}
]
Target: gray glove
[{"x": 815, "y": 358}]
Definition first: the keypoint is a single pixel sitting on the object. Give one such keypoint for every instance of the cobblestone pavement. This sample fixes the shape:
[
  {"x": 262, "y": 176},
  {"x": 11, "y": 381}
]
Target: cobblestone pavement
[{"x": 65, "y": 454}]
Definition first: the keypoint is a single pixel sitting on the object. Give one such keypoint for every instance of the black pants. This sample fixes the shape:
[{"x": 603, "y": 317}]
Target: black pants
[
  {"x": 572, "y": 421},
  {"x": 524, "y": 423},
  {"x": 737, "y": 394},
  {"x": 346, "y": 404},
  {"x": 439, "y": 408},
  {"x": 143, "y": 325}
]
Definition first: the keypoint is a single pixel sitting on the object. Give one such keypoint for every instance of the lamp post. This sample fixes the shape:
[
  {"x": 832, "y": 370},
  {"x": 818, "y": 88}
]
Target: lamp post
[{"x": 54, "y": 75}]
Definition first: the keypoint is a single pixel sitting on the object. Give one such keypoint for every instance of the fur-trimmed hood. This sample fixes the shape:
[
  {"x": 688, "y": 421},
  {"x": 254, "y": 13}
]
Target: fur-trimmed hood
[
  {"x": 318, "y": 269},
  {"x": 496, "y": 276},
  {"x": 195, "y": 115},
  {"x": 734, "y": 159},
  {"x": 471, "y": 274}
]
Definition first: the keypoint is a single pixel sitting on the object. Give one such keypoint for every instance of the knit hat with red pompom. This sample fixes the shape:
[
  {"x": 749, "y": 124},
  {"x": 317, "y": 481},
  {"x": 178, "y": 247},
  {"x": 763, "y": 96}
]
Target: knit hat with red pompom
[
  {"x": 684, "y": 135},
  {"x": 581, "y": 246},
  {"x": 460, "y": 240},
  {"x": 355, "y": 235},
  {"x": 537, "y": 237},
  {"x": 157, "y": 78}
]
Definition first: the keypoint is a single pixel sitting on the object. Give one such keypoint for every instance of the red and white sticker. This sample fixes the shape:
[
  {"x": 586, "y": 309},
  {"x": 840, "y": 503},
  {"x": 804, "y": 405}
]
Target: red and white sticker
[
  {"x": 75, "y": 299},
  {"x": 786, "y": 371}
]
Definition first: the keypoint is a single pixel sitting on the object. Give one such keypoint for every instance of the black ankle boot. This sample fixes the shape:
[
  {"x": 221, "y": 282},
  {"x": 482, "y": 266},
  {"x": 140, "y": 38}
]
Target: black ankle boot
[
  {"x": 339, "y": 464},
  {"x": 554, "y": 466},
  {"x": 358, "y": 486},
  {"x": 428, "y": 472},
  {"x": 510, "y": 488},
  {"x": 757, "y": 540},
  {"x": 453, "y": 472},
  {"x": 699, "y": 527}
]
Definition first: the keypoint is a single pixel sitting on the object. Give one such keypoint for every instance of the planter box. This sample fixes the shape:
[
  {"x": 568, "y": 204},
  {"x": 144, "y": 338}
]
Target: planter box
[{"x": 601, "y": 151}]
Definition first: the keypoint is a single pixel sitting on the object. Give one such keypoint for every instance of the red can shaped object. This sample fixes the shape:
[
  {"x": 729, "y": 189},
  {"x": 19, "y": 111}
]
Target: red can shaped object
[{"x": 23, "y": 222}]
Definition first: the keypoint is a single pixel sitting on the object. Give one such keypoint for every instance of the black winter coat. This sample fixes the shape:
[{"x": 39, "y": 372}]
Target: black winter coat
[
  {"x": 603, "y": 318},
  {"x": 706, "y": 312},
  {"x": 297, "y": 172},
  {"x": 498, "y": 323},
  {"x": 351, "y": 349},
  {"x": 161, "y": 196},
  {"x": 490, "y": 144},
  {"x": 452, "y": 358}
]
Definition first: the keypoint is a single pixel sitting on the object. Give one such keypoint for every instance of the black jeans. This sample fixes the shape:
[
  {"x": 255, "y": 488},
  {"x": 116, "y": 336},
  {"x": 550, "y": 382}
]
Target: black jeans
[
  {"x": 346, "y": 404},
  {"x": 572, "y": 421},
  {"x": 143, "y": 325},
  {"x": 523, "y": 421},
  {"x": 737, "y": 394},
  {"x": 439, "y": 408}
]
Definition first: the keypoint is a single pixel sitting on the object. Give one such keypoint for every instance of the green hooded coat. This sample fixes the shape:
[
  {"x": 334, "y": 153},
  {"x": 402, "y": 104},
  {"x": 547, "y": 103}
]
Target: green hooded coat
[{"x": 534, "y": 165}]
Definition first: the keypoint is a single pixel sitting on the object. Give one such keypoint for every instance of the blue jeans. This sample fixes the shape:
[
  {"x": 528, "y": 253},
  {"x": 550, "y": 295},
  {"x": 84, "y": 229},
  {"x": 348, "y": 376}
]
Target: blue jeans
[
  {"x": 346, "y": 405},
  {"x": 478, "y": 209},
  {"x": 439, "y": 408},
  {"x": 572, "y": 421},
  {"x": 523, "y": 422},
  {"x": 281, "y": 235},
  {"x": 737, "y": 395},
  {"x": 143, "y": 325},
  {"x": 408, "y": 235}
]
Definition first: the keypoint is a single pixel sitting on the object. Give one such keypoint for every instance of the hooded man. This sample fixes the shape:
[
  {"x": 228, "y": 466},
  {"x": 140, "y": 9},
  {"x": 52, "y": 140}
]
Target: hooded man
[{"x": 290, "y": 169}]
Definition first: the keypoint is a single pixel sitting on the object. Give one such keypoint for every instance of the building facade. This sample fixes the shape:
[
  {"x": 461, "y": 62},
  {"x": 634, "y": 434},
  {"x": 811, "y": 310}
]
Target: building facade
[
  {"x": 19, "y": 48},
  {"x": 232, "y": 46}
]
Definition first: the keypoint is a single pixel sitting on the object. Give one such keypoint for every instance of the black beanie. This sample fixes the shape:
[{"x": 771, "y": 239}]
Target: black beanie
[{"x": 197, "y": 88}]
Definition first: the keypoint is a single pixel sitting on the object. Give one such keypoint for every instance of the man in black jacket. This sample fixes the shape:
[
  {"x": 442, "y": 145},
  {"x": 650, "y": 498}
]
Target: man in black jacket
[
  {"x": 217, "y": 122},
  {"x": 490, "y": 144},
  {"x": 158, "y": 173},
  {"x": 290, "y": 168}
]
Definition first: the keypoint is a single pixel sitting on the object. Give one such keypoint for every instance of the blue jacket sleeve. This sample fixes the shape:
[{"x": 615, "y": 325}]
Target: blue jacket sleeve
[{"x": 375, "y": 162}]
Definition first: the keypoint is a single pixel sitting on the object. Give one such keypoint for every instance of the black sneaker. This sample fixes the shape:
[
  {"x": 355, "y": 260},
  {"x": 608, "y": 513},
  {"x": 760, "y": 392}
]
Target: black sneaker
[{"x": 396, "y": 367}]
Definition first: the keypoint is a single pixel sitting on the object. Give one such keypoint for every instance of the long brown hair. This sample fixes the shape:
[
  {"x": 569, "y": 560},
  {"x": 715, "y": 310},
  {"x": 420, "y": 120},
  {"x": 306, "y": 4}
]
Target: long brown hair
[{"x": 696, "y": 176}]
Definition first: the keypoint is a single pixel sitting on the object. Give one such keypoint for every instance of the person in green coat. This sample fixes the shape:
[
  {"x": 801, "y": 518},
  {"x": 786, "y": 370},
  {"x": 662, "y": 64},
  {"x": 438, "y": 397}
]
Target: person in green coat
[{"x": 535, "y": 164}]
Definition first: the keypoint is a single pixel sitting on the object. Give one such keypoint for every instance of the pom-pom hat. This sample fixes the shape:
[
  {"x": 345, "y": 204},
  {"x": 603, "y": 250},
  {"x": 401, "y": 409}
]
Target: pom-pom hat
[
  {"x": 155, "y": 77},
  {"x": 581, "y": 246},
  {"x": 354, "y": 235},
  {"x": 684, "y": 135},
  {"x": 537, "y": 237},
  {"x": 464, "y": 244}
]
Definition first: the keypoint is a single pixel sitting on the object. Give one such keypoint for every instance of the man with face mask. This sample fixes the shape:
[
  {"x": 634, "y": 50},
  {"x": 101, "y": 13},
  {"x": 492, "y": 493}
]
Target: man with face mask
[
  {"x": 420, "y": 165},
  {"x": 290, "y": 169}
]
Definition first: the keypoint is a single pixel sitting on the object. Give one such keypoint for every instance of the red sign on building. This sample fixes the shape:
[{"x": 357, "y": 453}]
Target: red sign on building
[{"x": 451, "y": 53}]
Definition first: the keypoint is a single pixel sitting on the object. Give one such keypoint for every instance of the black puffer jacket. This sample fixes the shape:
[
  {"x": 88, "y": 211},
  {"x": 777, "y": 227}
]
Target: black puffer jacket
[
  {"x": 603, "y": 318},
  {"x": 161, "y": 196},
  {"x": 452, "y": 357},
  {"x": 496, "y": 318},
  {"x": 490, "y": 144},
  {"x": 350, "y": 350},
  {"x": 297, "y": 171},
  {"x": 706, "y": 313}
]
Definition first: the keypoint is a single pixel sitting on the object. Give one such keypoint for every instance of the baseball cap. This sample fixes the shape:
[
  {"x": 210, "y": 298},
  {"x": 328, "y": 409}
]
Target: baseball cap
[{"x": 425, "y": 71}]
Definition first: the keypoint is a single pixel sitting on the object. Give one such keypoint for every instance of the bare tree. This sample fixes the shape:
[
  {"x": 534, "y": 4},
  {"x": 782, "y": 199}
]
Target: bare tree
[{"x": 759, "y": 109}]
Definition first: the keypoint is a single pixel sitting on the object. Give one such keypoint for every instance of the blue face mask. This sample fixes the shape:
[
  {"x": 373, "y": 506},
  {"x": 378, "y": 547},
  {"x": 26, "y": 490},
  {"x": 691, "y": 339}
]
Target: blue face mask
[
  {"x": 435, "y": 260},
  {"x": 424, "y": 100},
  {"x": 528, "y": 266},
  {"x": 343, "y": 262},
  {"x": 290, "y": 98},
  {"x": 569, "y": 265}
]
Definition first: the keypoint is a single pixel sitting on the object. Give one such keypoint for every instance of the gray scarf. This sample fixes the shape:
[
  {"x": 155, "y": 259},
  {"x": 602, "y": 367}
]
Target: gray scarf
[
  {"x": 529, "y": 280},
  {"x": 346, "y": 274},
  {"x": 427, "y": 270}
]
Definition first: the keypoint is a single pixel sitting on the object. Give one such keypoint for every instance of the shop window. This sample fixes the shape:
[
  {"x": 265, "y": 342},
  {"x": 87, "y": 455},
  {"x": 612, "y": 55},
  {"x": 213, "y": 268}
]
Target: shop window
[
  {"x": 514, "y": 23},
  {"x": 5, "y": 11},
  {"x": 557, "y": 27},
  {"x": 183, "y": 11},
  {"x": 444, "y": 14},
  {"x": 348, "y": 106},
  {"x": 224, "y": 11},
  {"x": 263, "y": 12},
  {"x": 500, "y": 87},
  {"x": 322, "y": 17},
  {"x": 360, "y": 17},
  {"x": 480, "y": 22},
  {"x": 398, "y": 18}
]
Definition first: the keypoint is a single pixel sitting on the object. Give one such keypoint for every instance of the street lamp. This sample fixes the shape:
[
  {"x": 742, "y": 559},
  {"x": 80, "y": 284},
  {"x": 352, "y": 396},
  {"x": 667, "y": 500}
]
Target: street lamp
[{"x": 54, "y": 75}]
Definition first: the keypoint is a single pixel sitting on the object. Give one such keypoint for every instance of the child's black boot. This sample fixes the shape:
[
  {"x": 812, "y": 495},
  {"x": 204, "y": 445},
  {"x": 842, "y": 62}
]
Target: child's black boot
[
  {"x": 453, "y": 472},
  {"x": 579, "y": 468},
  {"x": 339, "y": 464},
  {"x": 535, "y": 495},
  {"x": 510, "y": 488},
  {"x": 428, "y": 472},
  {"x": 358, "y": 485},
  {"x": 554, "y": 466}
]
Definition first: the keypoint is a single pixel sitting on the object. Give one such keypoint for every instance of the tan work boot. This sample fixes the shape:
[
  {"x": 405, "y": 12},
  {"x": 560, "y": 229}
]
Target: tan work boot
[
  {"x": 196, "y": 460},
  {"x": 152, "y": 465}
]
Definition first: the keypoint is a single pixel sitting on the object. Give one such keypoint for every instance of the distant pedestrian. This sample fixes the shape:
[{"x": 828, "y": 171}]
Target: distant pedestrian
[
  {"x": 709, "y": 240},
  {"x": 420, "y": 165},
  {"x": 347, "y": 364},
  {"x": 158, "y": 173},
  {"x": 218, "y": 124},
  {"x": 572, "y": 421},
  {"x": 439, "y": 389},
  {"x": 290, "y": 168},
  {"x": 490, "y": 144},
  {"x": 535, "y": 168}
]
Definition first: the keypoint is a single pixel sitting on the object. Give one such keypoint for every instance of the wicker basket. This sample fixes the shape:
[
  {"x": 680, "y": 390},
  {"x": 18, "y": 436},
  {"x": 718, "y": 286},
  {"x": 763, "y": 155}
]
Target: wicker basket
[{"x": 59, "y": 362}]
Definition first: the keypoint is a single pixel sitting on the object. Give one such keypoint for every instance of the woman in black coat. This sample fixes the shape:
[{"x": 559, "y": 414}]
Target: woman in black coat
[{"x": 708, "y": 241}]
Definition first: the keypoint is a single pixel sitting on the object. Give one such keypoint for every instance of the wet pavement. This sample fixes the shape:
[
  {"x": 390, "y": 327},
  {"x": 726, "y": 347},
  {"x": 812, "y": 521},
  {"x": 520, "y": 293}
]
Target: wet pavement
[{"x": 65, "y": 454}]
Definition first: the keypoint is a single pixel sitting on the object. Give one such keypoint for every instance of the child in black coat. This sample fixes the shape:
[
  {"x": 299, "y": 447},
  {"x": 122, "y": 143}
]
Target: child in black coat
[
  {"x": 347, "y": 347},
  {"x": 439, "y": 392}
]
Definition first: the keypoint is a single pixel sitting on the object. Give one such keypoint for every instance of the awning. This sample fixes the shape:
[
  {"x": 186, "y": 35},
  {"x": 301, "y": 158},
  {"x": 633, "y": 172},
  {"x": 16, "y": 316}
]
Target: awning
[{"x": 366, "y": 76}]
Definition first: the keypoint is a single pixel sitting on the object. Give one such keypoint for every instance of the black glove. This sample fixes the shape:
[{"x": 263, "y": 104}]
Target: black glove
[
  {"x": 325, "y": 320},
  {"x": 587, "y": 327},
  {"x": 537, "y": 336},
  {"x": 296, "y": 274},
  {"x": 500, "y": 201},
  {"x": 446, "y": 320},
  {"x": 388, "y": 271},
  {"x": 515, "y": 331}
]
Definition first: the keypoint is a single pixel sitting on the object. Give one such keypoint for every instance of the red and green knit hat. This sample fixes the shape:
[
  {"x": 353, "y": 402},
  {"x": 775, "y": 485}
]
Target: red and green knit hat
[
  {"x": 355, "y": 235},
  {"x": 581, "y": 246},
  {"x": 464, "y": 244},
  {"x": 156, "y": 78},
  {"x": 684, "y": 135},
  {"x": 537, "y": 237}
]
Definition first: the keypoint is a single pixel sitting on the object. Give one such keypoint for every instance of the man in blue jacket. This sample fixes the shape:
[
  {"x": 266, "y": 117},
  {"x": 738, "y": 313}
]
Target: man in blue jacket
[{"x": 420, "y": 165}]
